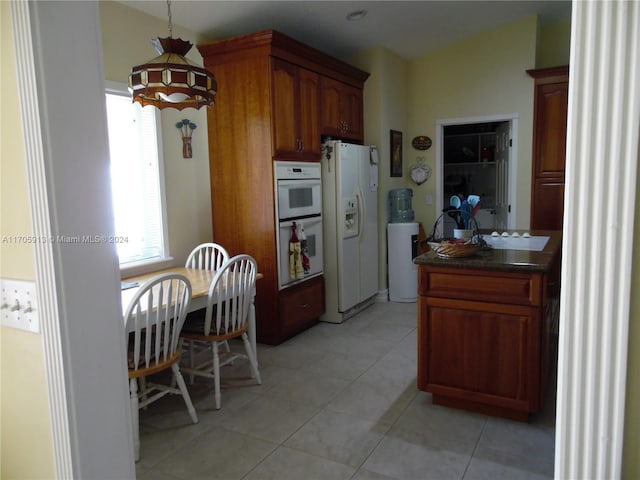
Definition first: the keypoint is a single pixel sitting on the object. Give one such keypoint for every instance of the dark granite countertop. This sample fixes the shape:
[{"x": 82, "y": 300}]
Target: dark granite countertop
[{"x": 504, "y": 260}]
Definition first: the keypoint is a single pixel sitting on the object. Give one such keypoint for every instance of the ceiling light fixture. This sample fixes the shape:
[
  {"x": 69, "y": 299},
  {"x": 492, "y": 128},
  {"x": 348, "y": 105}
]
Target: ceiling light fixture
[
  {"x": 171, "y": 80},
  {"x": 356, "y": 15}
]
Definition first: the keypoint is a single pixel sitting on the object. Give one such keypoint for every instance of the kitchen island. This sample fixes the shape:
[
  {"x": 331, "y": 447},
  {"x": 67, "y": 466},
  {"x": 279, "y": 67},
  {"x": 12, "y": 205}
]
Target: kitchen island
[{"x": 484, "y": 325}]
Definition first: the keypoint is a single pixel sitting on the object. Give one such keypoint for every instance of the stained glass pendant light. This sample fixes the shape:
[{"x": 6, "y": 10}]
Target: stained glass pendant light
[{"x": 171, "y": 80}]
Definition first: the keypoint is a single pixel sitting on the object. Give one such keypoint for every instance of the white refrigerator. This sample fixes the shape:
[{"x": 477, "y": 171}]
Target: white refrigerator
[{"x": 350, "y": 214}]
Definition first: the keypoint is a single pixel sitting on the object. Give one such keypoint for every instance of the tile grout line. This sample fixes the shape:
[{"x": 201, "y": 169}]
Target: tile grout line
[
  {"x": 382, "y": 438},
  {"x": 324, "y": 408},
  {"x": 466, "y": 469}
]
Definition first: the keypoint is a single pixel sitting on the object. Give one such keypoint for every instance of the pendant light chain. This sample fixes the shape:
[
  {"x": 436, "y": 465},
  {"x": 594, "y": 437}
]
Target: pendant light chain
[{"x": 169, "y": 15}]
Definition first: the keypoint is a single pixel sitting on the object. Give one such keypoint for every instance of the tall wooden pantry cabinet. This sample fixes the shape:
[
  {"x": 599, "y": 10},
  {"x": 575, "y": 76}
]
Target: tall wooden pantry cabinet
[
  {"x": 271, "y": 106},
  {"x": 549, "y": 145}
]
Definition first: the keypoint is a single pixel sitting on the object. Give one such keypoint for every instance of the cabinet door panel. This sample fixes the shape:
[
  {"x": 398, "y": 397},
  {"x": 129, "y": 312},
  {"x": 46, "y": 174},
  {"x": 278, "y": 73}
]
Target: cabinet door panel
[
  {"x": 547, "y": 209},
  {"x": 341, "y": 110},
  {"x": 461, "y": 355},
  {"x": 330, "y": 107},
  {"x": 308, "y": 113},
  {"x": 285, "y": 138},
  {"x": 353, "y": 108},
  {"x": 551, "y": 129}
]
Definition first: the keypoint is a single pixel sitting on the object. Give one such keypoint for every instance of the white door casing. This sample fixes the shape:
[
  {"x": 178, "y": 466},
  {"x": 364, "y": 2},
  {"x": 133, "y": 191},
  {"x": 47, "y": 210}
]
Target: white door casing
[
  {"x": 511, "y": 172},
  {"x": 502, "y": 155}
]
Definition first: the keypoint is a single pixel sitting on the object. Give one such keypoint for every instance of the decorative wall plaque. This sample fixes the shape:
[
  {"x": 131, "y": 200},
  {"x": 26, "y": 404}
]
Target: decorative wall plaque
[{"x": 421, "y": 142}]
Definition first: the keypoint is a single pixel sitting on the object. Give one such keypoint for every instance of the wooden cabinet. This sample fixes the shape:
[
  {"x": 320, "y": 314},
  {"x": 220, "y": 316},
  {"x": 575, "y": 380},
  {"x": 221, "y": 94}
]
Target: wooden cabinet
[
  {"x": 296, "y": 133},
  {"x": 341, "y": 113},
  {"x": 481, "y": 339},
  {"x": 266, "y": 109},
  {"x": 303, "y": 303},
  {"x": 549, "y": 146}
]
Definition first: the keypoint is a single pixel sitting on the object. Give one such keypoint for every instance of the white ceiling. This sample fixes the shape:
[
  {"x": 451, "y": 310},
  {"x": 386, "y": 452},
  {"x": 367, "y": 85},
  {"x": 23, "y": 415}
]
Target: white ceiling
[{"x": 409, "y": 28}]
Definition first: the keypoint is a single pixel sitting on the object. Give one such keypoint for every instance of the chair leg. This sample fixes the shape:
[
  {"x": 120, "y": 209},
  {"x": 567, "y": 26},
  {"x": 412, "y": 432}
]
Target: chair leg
[
  {"x": 216, "y": 373},
  {"x": 185, "y": 393},
  {"x": 228, "y": 349},
  {"x": 191, "y": 361},
  {"x": 142, "y": 390},
  {"x": 252, "y": 359},
  {"x": 133, "y": 391}
]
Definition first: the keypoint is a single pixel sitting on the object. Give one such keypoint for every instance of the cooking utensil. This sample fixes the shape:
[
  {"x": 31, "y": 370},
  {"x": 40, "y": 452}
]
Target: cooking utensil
[
  {"x": 473, "y": 200},
  {"x": 466, "y": 212}
]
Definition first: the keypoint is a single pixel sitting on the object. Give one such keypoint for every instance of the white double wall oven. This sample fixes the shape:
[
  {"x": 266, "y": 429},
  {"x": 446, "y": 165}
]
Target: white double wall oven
[{"x": 298, "y": 189}]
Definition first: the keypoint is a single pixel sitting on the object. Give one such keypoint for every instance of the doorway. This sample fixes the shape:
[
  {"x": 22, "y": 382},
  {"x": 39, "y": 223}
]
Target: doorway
[{"x": 477, "y": 155}]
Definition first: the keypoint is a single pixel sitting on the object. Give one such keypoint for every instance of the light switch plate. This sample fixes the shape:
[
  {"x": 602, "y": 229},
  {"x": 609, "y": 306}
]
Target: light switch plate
[{"x": 19, "y": 305}]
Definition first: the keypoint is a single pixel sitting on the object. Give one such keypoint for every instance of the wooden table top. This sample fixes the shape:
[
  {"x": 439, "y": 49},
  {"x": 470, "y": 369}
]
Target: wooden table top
[{"x": 200, "y": 281}]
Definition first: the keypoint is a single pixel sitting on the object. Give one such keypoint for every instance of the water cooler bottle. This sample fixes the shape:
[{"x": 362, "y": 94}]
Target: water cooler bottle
[{"x": 402, "y": 247}]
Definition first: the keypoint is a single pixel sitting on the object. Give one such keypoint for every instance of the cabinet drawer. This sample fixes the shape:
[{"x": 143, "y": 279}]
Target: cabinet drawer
[
  {"x": 486, "y": 286},
  {"x": 302, "y": 304}
]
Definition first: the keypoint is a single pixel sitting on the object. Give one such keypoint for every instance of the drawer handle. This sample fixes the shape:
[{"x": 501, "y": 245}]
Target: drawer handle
[{"x": 303, "y": 305}]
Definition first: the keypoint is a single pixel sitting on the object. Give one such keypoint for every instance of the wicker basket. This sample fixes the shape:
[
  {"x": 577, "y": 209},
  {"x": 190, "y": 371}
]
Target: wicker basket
[{"x": 454, "y": 250}]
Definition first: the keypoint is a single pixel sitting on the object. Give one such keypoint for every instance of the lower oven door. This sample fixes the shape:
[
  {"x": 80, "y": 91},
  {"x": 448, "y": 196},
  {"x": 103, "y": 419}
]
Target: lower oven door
[{"x": 311, "y": 248}]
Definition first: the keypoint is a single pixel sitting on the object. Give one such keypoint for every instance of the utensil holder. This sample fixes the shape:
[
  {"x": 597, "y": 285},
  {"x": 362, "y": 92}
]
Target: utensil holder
[
  {"x": 464, "y": 234},
  {"x": 437, "y": 234}
]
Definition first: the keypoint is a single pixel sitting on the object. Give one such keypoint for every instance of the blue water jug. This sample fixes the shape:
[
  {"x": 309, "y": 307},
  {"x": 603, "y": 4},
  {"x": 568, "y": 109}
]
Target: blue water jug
[{"x": 400, "y": 205}]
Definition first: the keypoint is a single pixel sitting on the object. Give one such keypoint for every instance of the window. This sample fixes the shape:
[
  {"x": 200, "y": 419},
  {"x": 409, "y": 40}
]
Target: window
[{"x": 137, "y": 179}]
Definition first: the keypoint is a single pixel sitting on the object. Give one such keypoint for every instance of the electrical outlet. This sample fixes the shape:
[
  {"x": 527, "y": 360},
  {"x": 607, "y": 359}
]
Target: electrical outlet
[
  {"x": 429, "y": 199},
  {"x": 19, "y": 305}
]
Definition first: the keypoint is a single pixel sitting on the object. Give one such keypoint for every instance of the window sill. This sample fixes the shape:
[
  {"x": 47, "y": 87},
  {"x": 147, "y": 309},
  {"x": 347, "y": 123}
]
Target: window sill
[{"x": 145, "y": 266}]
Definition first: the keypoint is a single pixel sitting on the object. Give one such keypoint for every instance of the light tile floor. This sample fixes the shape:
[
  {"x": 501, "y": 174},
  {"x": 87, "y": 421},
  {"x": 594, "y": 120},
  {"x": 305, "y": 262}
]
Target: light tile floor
[{"x": 338, "y": 402}]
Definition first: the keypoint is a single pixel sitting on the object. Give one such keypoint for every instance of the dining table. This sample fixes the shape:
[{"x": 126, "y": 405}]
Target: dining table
[{"x": 200, "y": 280}]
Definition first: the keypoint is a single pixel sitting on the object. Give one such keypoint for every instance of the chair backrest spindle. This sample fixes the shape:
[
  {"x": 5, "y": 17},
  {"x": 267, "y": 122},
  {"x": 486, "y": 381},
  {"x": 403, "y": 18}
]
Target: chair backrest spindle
[
  {"x": 230, "y": 296},
  {"x": 154, "y": 319},
  {"x": 207, "y": 256}
]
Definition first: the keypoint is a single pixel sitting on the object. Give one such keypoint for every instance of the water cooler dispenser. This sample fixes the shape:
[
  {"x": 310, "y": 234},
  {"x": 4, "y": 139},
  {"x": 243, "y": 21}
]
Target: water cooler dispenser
[{"x": 402, "y": 247}]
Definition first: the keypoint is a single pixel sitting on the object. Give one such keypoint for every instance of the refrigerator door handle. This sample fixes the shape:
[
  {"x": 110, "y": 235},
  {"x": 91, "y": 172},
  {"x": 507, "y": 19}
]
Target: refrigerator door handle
[{"x": 361, "y": 212}]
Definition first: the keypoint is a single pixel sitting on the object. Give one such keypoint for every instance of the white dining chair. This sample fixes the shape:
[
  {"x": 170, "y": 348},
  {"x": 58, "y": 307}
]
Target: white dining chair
[
  {"x": 153, "y": 320},
  {"x": 207, "y": 256},
  {"x": 226, "y": 317}
]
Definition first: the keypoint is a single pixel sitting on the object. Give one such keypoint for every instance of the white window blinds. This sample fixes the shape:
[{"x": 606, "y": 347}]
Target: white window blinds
[{"x": 136, "y": 179}]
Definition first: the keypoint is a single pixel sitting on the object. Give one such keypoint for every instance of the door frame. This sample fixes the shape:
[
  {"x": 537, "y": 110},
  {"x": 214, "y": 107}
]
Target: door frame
[{"x": 512, "y": 118}]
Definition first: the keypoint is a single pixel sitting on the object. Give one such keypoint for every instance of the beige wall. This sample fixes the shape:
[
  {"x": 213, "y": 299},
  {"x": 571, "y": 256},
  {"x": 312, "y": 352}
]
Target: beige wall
[
  {"x": 554, "y": 42},
  {"x": 631, "y": 459},
  {"x": 126, "y": 37},
  {"x": 385, "y": 99},
  {"x": 25, "y": 436},
  {"x": 484, "y": 75}
]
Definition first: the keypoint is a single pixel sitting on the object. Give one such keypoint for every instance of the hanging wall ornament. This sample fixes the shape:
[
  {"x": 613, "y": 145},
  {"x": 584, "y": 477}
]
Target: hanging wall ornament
[
  {"x": 421, "y": 142},
  {"x": 420, "y": 172},
  {"x": 186, "y": 128}
]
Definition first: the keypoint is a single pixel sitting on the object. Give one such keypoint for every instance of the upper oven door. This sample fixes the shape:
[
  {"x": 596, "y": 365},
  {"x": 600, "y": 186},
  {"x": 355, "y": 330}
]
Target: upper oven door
[{"x": 299, "y": 198}]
